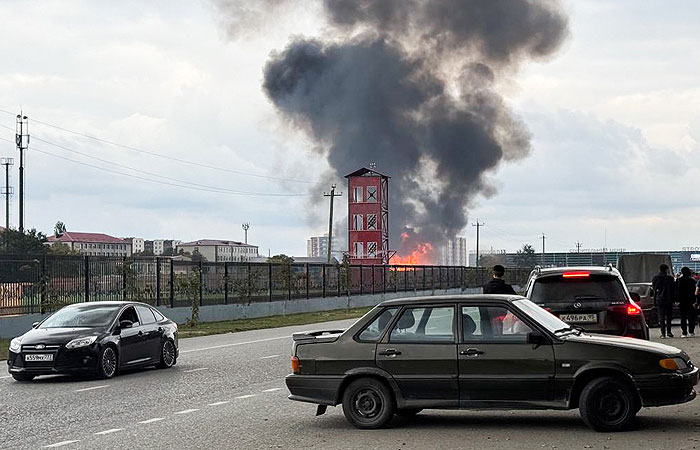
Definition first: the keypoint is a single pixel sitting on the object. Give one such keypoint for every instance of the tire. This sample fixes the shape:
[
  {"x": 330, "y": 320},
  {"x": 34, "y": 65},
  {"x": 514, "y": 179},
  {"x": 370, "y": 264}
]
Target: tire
[
  {"x": 408, "y": 412},
  {"x": 22, "y": 377},
  {"x": 107, "y": 363},
  {"x": 608, "y": 404},
  {"x": 654, "y": 318},
  {"x": 167, "y": 355},
  {"x": 368, "y": 403}
]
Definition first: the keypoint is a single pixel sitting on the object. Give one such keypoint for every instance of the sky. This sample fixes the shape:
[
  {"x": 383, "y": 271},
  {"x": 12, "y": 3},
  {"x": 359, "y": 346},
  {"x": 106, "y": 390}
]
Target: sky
[{"x": 614, "y": 117}]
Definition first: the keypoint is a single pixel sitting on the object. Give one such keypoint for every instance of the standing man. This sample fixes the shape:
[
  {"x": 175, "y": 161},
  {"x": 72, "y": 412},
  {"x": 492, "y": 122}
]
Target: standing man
[
  {"x": 497, "y": 285},
  {"x": 664, "y": 287},
  {"x": 686, "y": 287}
]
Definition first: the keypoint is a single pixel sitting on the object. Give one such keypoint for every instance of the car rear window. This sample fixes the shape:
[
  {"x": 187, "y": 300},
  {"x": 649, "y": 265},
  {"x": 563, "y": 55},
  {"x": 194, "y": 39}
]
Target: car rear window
[{"x": 557, "y": 289}]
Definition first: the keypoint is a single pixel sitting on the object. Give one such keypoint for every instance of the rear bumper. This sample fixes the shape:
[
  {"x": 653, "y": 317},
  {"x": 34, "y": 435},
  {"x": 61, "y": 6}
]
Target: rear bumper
[
  {"x": 667, "y": 388},
  {"x": 322, "y": 390}
]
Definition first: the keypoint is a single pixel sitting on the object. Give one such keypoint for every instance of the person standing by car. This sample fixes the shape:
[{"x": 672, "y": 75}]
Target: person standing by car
[
  {"x": 685, "y": 288},
  {"x": 664, "y": 292},
  {"x": 497, "y": 285}
]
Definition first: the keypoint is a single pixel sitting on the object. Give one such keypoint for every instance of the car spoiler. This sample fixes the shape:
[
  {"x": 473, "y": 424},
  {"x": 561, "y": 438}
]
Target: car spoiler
[{"x": 311, "y": 335}]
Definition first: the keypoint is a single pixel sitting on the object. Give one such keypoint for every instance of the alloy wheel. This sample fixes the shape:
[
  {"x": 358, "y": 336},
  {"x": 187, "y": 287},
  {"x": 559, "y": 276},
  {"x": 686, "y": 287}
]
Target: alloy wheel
[
  {"x": 168, "y": 353},
  {"x": 109, "y": 362}
]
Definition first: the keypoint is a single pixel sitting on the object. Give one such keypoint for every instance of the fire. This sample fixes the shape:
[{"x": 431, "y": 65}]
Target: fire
[{"x": 420, "y": 256}]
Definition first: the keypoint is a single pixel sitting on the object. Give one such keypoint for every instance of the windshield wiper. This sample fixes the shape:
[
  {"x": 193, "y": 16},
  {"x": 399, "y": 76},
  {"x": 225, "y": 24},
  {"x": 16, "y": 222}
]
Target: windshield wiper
[{"x": 570, "y": 329}]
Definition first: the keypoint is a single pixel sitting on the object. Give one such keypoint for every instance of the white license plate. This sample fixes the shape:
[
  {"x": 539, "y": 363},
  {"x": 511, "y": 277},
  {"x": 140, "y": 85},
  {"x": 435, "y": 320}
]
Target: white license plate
[
  {"x": 39, "y": 357},
  {"x": 579, "y": 318}
]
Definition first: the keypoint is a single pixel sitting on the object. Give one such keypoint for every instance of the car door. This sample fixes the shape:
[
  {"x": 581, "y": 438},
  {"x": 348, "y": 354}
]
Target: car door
[
  {"x": 496, "y": 362},
  {"x": 152, "y": 333},
  {"x": 420, "y": 353},
  {"x": 130, "y": 339}
]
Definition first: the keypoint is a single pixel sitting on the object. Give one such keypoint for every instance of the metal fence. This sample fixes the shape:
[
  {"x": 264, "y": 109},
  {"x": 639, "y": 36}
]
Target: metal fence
[{"x": 39, "y": 284}]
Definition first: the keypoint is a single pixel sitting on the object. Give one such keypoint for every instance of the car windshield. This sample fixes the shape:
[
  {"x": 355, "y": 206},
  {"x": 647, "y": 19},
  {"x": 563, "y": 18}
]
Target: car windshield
[
  {"x": 557, "y": 289},
  {"x": 548, "y": 320},
  {"x": 82, "y": 316}
]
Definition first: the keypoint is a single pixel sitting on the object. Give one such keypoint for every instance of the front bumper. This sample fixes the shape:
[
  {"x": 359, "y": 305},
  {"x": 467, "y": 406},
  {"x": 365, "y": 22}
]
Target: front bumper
[
  {"x": 667, "y": 388},
  {"x": 65, "y": 362},
  {"x": 322, "y": 390}
]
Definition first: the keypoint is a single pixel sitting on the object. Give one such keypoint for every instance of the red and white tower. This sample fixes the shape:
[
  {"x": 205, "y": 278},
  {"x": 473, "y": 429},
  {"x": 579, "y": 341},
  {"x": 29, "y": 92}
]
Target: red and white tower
[{"x": 368, "y": 216}]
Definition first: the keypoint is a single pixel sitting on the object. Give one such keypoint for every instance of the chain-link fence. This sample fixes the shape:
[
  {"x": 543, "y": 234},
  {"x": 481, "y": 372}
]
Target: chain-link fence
[{"x": 44, "y": 283}]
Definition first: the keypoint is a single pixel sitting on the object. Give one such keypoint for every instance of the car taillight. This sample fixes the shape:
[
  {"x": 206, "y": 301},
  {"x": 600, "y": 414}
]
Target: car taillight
[
  {"x": 633, "y": 309},
  {"x": 576, "y": 274},
  {"x": 295, "y": 364}
]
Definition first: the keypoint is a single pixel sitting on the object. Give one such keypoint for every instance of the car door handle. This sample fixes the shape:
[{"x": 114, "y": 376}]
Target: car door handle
[
  {"x": 473, "y": 352},
  {"x": 390, "y": 352},
  {"x": 140, "y": 333}
]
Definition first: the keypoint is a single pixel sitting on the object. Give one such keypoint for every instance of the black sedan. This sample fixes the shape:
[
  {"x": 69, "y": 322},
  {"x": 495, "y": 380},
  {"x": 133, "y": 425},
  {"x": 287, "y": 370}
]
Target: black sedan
[
  {"x": 97, "y": 338},
  {"x": 483, "y": 352}
]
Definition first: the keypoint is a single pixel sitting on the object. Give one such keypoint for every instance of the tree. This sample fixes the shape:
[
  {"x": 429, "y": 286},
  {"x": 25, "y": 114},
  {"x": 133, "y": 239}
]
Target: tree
[
  {"x": 197, "y": 257},
  {"x": 525, "y": 257},
  {"x": 281, "y": 277},
  {"x": 169, "y": 252},
  {"x": 15, "y": 242},
  {"x": 490, "y": 260},
  {"x": 59, "y": 248},
  {"x": 59, "y": 228}
]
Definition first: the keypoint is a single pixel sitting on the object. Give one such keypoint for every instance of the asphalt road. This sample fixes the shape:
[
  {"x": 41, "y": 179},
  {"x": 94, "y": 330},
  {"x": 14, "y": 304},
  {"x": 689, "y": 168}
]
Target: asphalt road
[{"x": 227, "y": 392}]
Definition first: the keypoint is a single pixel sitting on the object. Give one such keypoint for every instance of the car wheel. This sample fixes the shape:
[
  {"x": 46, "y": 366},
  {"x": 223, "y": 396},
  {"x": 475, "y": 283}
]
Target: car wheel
[
  {"x": 368, "y": 403},
  {"x": 608, "y": 404},
  {"x": 22, "y": 377},
  {"x": 654, "y": 318},
  {"x": 167, "y": 355},
  {"x": 107, "y": 364},
  {"x": 408, "y": 412}
]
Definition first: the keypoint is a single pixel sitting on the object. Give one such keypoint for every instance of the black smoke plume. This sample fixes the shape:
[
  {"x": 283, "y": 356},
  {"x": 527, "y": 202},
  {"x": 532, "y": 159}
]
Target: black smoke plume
[{"x": 412, "y": 85}]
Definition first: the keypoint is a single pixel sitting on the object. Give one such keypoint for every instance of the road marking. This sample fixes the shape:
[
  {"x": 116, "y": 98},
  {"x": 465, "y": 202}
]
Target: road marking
[
  {"x": 93, "y": 388},
  {"x": 187, "y": 411},
  {"x": 195, "y": 370},
  {"x": 247, "y": 396},
  {"x": 110, "y": 431},
  {"x": 272, "y": 390},
  {"x": 60, "y": 444},
  {"x": 218, "y": 403},
  {"x": 6, "y": 376},
  {"x": 234, "y": 344},
  {"x": 269, "y": 357},
  {"x": 155, "y": 419}
]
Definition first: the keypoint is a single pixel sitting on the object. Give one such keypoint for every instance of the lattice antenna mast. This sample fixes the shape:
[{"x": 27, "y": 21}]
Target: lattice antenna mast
[{"x": 22, "y": 141}]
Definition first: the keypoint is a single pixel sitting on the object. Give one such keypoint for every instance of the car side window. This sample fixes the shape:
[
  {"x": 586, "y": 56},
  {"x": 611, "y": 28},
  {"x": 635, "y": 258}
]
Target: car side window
[
  {"x": 158, "y": 315},
  {"x": 424, "y": 325},
  {"x": 492, "y": 323},
  {"x": 146, "y": 315},
  {"x": 130, "y": 315},
  {"x": 375, "y": 329}
]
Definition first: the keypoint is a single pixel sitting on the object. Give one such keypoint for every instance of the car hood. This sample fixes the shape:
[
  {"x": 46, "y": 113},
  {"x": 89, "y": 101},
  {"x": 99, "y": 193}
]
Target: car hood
[
  {"x": 625, "y": 342},
  {"x": 56, "y": 335}
]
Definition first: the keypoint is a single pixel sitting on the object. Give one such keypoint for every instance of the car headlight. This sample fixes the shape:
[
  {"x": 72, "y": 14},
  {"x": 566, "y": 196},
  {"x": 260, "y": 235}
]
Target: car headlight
[
  {"x": 81, "y": 342},
  {"x": 16, "y": 345},
  {"x": 673, "y": 364}
]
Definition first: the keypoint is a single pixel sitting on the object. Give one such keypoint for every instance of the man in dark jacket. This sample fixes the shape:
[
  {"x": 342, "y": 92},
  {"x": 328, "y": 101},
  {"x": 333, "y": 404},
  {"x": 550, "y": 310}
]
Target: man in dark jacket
[
  {"x": 685, "y": 289},
  {"x": 497, "y": 285},
  {"x": 664, "y": 287}
]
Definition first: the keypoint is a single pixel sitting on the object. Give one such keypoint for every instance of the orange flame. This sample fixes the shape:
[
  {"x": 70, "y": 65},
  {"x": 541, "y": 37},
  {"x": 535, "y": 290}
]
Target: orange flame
[{"x": 420, "y": 256}]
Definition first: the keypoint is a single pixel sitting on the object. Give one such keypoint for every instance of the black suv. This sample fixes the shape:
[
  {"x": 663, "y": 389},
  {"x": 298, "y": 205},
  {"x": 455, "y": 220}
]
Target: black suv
[
  {"x": 480, "y": 352},
  {"x": 594, "y": 298}
]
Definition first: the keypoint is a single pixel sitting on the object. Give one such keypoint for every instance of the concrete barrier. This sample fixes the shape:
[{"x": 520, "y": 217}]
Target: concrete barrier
[{"x": 17, "y": 325}]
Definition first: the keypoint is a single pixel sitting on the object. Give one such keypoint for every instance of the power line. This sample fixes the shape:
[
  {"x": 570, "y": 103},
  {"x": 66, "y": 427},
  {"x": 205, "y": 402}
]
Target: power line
[
  {"x": 160, "y": 155},
  {"x": 206, "y": 189}
]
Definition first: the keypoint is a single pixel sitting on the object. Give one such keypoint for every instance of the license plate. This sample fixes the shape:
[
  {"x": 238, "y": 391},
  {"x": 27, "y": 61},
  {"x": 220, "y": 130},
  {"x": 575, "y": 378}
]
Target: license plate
[
  {"x": 38, "y": 357},
  {"x": 579, "y": 318}
]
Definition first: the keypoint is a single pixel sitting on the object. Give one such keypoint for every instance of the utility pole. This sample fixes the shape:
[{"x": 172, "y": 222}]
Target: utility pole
[
  {"x": 332, "y": 195},
  {"x": 578, "y": 247},
  {"x": 246, "y": 227},
  {"x": 7, "y": 191},
  {"x": 22, "y": 141},
  {"x": 477, "y": 225},
  {"x": 543, "y": 250}
]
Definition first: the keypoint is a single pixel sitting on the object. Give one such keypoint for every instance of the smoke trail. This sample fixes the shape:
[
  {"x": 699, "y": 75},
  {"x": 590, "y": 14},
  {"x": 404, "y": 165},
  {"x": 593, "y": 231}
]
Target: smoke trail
[{"x": 412, "y": 85}]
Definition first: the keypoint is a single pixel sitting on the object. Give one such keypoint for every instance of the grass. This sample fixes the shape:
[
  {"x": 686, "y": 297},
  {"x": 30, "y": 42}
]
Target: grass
[{"x": 232, "y": 326}]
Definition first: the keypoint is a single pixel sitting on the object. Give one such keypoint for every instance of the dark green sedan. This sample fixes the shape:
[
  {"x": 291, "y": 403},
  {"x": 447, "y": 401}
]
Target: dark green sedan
[{"x": 480, "y": 352}]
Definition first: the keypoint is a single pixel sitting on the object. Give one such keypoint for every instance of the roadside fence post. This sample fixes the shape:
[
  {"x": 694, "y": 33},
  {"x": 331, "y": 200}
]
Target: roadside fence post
[
  {"x": 172, "y": 284},
  {"x": 383, "y": 279},
  {"x": 269, "y": 278},
  {"x": 306, "y": 270},
  {"x": 226, "y": 283},
  {"x": 42, "y": 285},
  {"x": 157, "y": 281},
  {"x": 124, "y": 269},
  {"x": 248, "y": 285},
  {"x": 289, "y": 283},
  {"x": 373, "y": 279},
  {"x": 362, "y": 269},
  {"x": 323, "y": 281},
  {"x": 201, "y": 284},
  {"x": 87, "y": 278}
]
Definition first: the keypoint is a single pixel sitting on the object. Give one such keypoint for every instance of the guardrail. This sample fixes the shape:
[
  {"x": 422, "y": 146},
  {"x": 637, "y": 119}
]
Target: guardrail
[{"x": 39, "y": 284}]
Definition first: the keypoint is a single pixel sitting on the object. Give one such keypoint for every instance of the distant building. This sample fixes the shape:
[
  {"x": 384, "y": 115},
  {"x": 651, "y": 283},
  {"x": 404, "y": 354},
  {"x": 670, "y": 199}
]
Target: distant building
[
  {"x": 317, "y": 246},
  {"x": 220, "y": 250},
  {"x": 92, "y": 244},
  {"x": 137, "y": 244},
  {"x": 454, "y": 252}
]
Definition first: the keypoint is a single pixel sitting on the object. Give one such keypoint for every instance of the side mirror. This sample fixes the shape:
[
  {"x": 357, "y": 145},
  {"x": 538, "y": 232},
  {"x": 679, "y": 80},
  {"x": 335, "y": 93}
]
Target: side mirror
[
  {"x": 125, "y": 324},
  {"x": 537, "y": 338},
  {"x": 35, "y": 324},
  {"x": 635, "y": 297}
]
